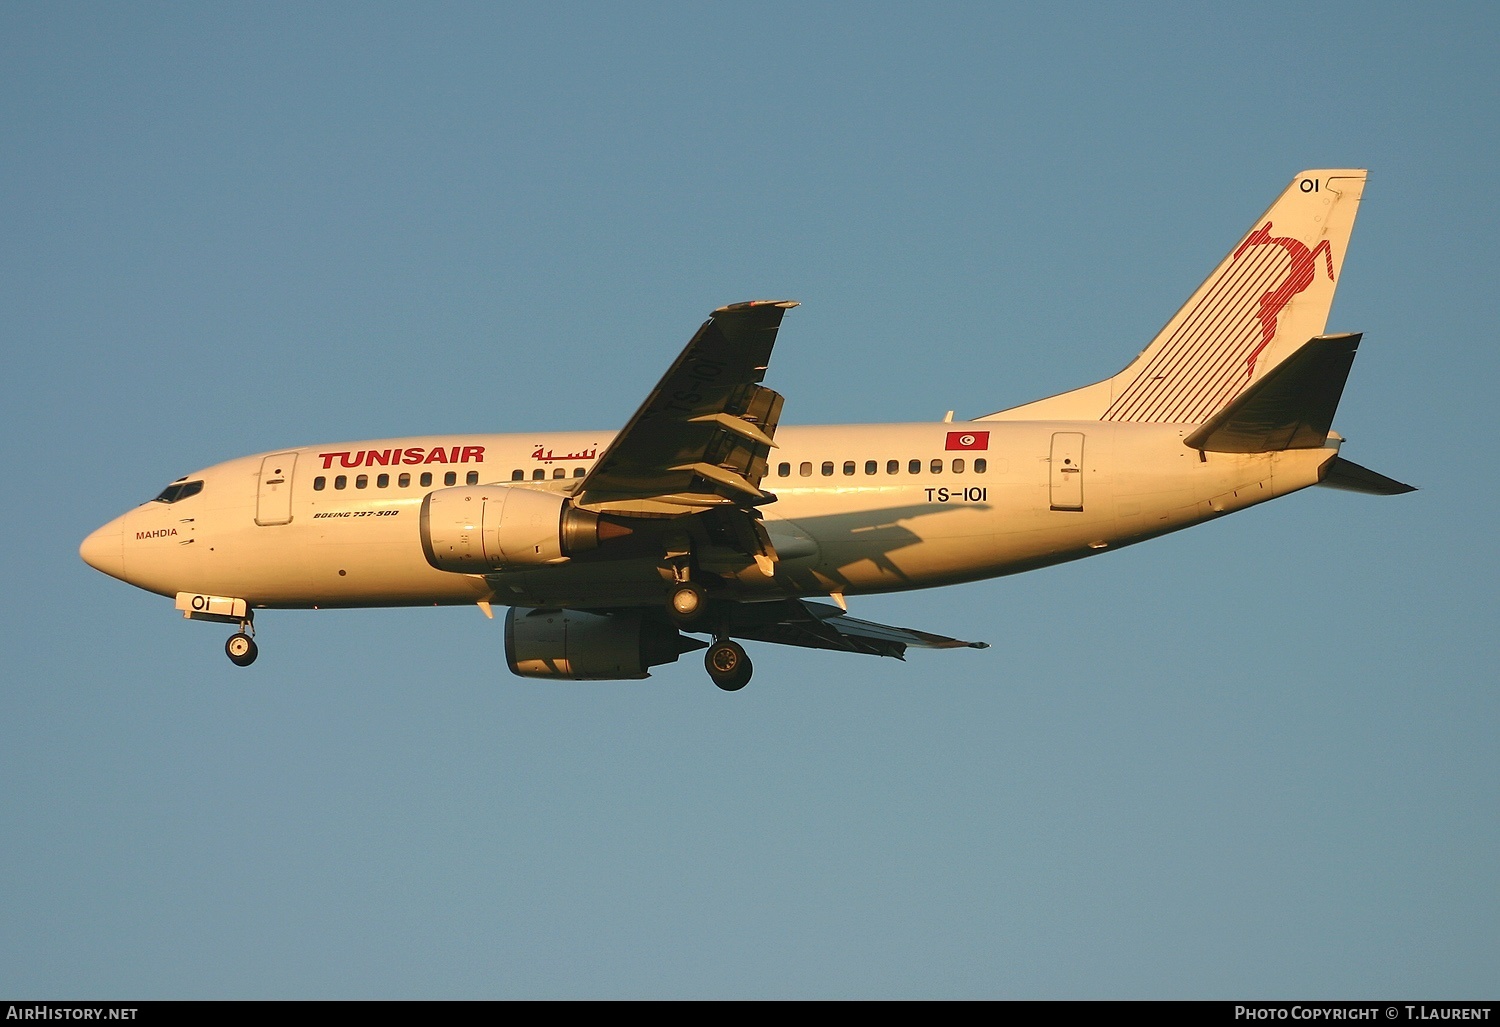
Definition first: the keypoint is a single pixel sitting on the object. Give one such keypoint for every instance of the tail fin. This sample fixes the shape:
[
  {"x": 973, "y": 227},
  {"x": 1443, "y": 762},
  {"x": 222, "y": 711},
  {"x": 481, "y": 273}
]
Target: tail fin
[{"x": 1265, "y": 300}]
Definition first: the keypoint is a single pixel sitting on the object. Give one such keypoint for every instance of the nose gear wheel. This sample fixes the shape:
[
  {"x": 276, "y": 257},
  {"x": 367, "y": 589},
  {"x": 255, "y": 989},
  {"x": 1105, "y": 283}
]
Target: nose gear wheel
[{"x": 241, "y": 649}]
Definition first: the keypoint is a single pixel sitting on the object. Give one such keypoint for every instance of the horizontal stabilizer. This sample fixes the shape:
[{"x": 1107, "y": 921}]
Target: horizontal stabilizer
[
  {"x": 1290, "y": 408},
  {"x": 1339, "y": 473}
]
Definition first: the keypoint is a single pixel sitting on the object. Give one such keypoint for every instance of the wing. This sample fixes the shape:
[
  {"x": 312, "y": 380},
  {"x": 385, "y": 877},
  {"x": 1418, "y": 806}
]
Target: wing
[
  {"x": 701, "y": 438},
  {"x": 820, "y": 626}
]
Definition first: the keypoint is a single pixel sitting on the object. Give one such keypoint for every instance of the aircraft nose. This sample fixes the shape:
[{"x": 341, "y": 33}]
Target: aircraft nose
[{"x": 104, "y": 550}]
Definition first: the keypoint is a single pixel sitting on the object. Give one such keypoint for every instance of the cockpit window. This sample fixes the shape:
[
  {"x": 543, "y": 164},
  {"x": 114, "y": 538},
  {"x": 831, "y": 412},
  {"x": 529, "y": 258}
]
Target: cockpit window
[{"x": 179, "y": 490}]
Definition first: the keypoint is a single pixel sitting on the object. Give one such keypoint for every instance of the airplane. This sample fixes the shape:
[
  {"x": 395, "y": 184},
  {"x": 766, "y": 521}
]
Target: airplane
[{"x": 704, "y": 516}]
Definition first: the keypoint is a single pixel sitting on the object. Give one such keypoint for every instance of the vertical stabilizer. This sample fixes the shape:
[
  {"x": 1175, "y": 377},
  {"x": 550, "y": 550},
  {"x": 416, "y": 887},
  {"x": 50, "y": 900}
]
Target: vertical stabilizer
[{"x": 1267, "y": 298}]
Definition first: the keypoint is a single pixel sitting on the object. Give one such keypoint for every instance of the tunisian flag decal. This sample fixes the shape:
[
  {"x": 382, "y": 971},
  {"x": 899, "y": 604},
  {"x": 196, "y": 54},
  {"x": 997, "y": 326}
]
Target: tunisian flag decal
[{"x": 968, "y": 440}]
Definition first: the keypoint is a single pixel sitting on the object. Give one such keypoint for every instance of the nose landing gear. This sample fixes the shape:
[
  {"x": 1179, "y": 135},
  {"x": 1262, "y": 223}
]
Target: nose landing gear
[{"x": 241, "y": 649}]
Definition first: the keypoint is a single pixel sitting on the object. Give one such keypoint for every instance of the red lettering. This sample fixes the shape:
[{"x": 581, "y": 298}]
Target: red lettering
[{"x": 414, "y": 455}]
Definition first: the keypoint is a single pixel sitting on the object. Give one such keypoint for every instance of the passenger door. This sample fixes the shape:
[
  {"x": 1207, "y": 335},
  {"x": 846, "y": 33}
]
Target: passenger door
[
  {"x": 273, "y": 499},
  {"x": 1067, "y": 470}
]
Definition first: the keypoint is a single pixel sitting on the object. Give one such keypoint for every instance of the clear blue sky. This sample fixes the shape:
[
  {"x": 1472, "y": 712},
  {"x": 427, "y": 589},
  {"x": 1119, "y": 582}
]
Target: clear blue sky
[{"x": 1256, "y": 759}]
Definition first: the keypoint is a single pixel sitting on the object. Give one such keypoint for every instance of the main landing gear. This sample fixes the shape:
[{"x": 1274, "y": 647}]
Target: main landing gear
[
  {"x": 687, "y": 604},
  {"x": 728, "y": 664},
  {"x": 688, "y": 609}
]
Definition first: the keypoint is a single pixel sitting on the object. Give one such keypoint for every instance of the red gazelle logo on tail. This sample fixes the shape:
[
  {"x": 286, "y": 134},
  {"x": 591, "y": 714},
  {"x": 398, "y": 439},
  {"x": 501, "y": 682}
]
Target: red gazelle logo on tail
[{"x": 1299, "y": 277}]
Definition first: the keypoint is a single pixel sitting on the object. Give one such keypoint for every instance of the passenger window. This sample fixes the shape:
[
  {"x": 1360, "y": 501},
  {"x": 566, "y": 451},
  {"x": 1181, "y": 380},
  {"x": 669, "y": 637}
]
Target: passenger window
[
  {"x": 783, "y": 470},
  {"x": 319, "y": 483},
  {"x": 451, "y": 478},
  {"x": 958, "y": 465},
  {"x": 937, "y": 465},
  {"x": 341, "y": 482},
  {"x": 472, "y": 478},
  {"x": 893, "y": 467},
  {"x": 518, "y": 475},
  {"x": 425, "y": 481},
  {"x": 362, "y": 482},
  {"x": 578, "y": 472},
  {"x": 559, "y": 472},
  {"x": 383, "y": 481},
  {"x": 404, "y": 481},
  {"x": 805, "y": 469},
  {"x": 871, "y": 467},
  {"x": 539, "y": 474},
  {"x": 827, "y": 468},
  {"x": 915, "y": 467},
  {"x": 981, "y": 465},
  {"x": 848, "y": 466}
]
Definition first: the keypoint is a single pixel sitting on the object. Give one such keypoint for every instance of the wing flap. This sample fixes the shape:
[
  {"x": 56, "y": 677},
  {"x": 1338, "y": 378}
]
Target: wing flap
[{"x": 820, "y": 626}]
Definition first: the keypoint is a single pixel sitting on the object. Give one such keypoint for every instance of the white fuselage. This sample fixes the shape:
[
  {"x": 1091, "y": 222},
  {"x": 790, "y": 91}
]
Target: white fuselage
[{"x": 860, "y": 509}]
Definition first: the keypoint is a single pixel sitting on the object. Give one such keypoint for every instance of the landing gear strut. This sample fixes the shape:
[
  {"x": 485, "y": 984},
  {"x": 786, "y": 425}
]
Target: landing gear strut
[
  {"x": 688, "y": 609},
  {"x": 241, "y": 649},
  {"x": 728, "y": 665}
]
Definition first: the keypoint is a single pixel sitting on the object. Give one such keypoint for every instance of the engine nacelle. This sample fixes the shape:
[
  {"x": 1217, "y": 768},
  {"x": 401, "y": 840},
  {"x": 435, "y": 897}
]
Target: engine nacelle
[
  {"x": 475, "y": 529},
  {"x": 590, "y": 646}
]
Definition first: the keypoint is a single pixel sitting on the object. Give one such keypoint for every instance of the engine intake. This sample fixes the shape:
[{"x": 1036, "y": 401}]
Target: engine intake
[
  {"x": 475, "y": 529},
  {"x": 578, "y": 646}
]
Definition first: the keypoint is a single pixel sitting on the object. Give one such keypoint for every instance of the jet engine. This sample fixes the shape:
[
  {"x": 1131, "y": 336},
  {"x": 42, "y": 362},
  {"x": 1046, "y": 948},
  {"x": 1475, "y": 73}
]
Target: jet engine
[
  {"x": 476, "y": 529},
  {"x": 582, "y": 646}
]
